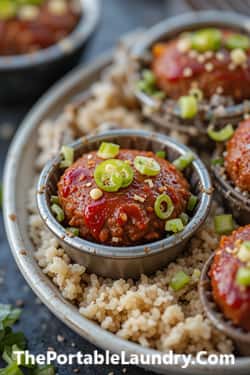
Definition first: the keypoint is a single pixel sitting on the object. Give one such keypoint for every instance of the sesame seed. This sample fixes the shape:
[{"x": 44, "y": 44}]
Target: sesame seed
[
  {"x": 187, "y": 72},
  {"x": 193, "y": 54},
  {"x": 209, "y": 67},
  {"x": 138, "y": 198},
  {"x": 115, "y": 239},
  {"x": 88, "y": 184},
  {"x": 96, "y": 194}
]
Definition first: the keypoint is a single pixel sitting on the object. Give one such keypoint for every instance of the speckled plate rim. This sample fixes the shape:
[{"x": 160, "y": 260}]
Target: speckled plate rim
[
  {"x": 91, "y": 13},
  {"x": 18, "y": 237}
]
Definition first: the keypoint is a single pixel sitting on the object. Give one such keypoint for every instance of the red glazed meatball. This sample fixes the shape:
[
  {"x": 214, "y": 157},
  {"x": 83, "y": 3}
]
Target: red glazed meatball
[
  {"x": 233, "y": 299},
  {"x": 125, "y": 217},
  {"x": 237, "y": 160},
  {"x": 21, "y": 36},
  {"x": 177, "y": 71}
]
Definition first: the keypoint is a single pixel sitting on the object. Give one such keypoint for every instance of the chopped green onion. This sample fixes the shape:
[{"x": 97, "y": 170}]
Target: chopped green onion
[
  {"x": 197, "y": 93},
  {"x": 221, "y": 135},
  {"x": 161, "y": 154},
  {"x": 163, "y": 206},
  {"x": 68, "y": 156},
  {"x": 58, "y": 211},
  {"x": 243, "y": 276},
  {"x": 174, "y": 225},
  {"x": 188, "y": 107},
  {"x": 159, "y": 95},
  {"x": 147, "y": 166},
  {"x": 238, "y": 41},
  {"x": 54, "y": 199},
  {"x": 108, "y": 150},
  {"x": 8, "y": 9},
  {"x": 223, "y": 224},
  {"x": 217, "y": 161},
  {"x": 73, "y": 230},
  {"x": 196, "y": 274},
  {"x": 192, "y": 202},
  {"x": 209, "y": 39},
  {"x": 184, "y": 161},
  {"x": 179, "y": 281},
  {"x": 184, "y": 218},
  {"x": 244, "y": 252}
]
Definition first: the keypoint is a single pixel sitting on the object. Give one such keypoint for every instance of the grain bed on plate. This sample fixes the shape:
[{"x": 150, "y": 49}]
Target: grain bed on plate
[{"x": 146, "y": 311}]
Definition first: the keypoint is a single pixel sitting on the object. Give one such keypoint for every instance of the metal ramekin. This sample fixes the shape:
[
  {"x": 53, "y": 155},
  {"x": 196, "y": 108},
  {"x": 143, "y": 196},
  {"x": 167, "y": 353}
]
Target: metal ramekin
[
  {"x": 25, "y": 77},
  {"x": 238, "y": 335},
  {"x": 238, "y": 204},
  {"x": 196, "y": 128},
  {"x": 129, "y": 261}
]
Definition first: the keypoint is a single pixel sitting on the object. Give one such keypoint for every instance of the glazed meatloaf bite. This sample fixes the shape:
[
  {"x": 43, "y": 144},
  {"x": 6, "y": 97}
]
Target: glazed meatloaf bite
[
  {"x": 214, "y": 60},
  {"x": 114, "y": 212},
  {"x": 237, "y": 159},
  {"x": 230, "y": 277}
]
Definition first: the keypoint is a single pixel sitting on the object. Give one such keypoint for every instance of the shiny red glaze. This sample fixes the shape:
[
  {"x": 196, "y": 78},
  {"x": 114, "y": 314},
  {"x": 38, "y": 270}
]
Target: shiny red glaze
[
  {"x": 169, "y": 65},
  {"x": 21, "y": 37},
  {"x": 237, "y": 159},
  {"x": 233, "y": 300},
  {"x": 117, "y": 218}
]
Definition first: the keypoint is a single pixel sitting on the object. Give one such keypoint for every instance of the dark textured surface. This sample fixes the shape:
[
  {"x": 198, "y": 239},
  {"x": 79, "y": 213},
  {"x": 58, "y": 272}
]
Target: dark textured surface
[{"x": 39, "y": 325}]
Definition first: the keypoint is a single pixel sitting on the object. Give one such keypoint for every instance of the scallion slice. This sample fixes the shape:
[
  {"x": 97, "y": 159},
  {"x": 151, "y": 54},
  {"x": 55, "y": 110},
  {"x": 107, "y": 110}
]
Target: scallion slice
[
  {"x": 192, "y": 202},
  {"x": 58, "y": 211},
  {"x": 73, "y": 230},
  {"x": 147, "y": 166},
  {"x": 188, "y": 107},
  {"x": 184, "y": 161},
  {"x": 108, "y": 150},
  {"x": 161, "y": 154},
  {"x": 163, "y": 206},
  {"x": 243, "y": 276},
  {"x": 68, "y": 156},
  {"x": 221, "y": 135},
  {"x": 174, "y": 225},
  {"x": 223, "y": 224},
  {"x": 179, "y": 281}
]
